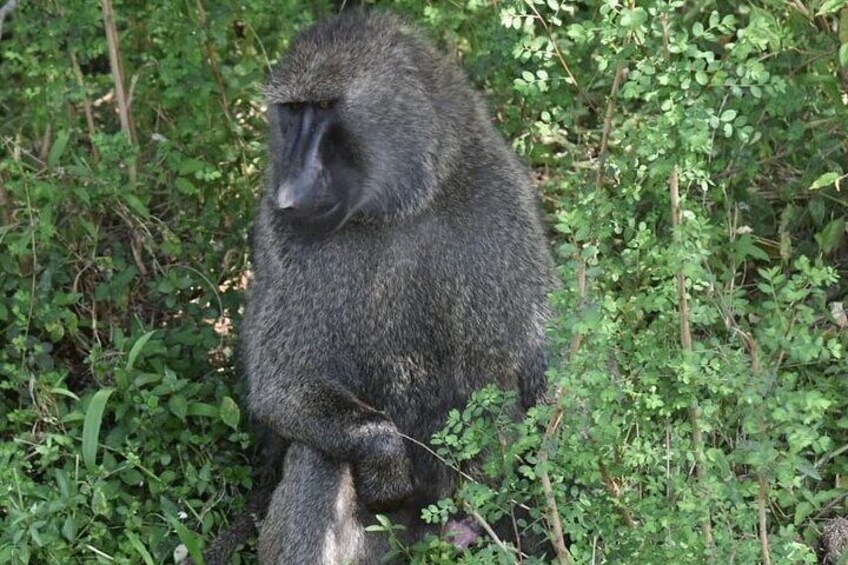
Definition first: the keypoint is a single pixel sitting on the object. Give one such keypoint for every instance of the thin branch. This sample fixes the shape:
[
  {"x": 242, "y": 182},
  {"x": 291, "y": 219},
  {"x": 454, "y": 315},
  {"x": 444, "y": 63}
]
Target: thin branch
[
  {"x": 5, "y": 204},
  {"x": 558, "y": 54},
  {"x": 441, "y": 459},
  {"x": 7, "y": 9},
  {"x": 553, "y": 517},
  {"x": 34, "y": 273},
  {"x": 821, "y": 461},
  {"x": 762, "y": 519},
  {"x": 116, "y": 66},
  {"x": 557, "y": 536},
  {"x": 614, "y": 492},
  {"x": 802, "y": 9},
  {"x": 86, "y": 103},
  {"x": 828, "y": 508},
  {"x": 686, "y": 344},
  {"x": 454, "y": 468},
  {"x": 602, "y": 153},
  {"x": 490, "y": 532},
  {"x": 136, "y": 242},
  {"x": 212, "y": 56},
  {"x": 762, "y": 496},
  {"x": 676, "y": 216},
  {"x": 762, "y": 481},
  {"x": 46, "y": 143},
  {"x": 471, "y": 479},
  {"x": 553, "y": 513}
]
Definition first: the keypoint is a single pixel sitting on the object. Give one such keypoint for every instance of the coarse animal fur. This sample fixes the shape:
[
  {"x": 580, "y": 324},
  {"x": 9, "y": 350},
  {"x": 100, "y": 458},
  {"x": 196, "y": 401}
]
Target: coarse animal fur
[{"x": 429, "y": 282}]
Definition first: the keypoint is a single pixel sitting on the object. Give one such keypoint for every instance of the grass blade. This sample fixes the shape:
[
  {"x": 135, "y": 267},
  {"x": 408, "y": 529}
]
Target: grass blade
[
  {"x": 137, "y": 347},
  {"x": 91, "y": 426}
]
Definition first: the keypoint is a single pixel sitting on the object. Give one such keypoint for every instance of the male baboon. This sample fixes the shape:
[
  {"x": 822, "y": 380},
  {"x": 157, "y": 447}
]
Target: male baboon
[{"x": 399, "y": 265}]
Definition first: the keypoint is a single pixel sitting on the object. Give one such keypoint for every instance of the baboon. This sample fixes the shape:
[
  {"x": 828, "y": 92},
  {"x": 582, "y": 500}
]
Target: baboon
[{"x": 399, "y": 265}]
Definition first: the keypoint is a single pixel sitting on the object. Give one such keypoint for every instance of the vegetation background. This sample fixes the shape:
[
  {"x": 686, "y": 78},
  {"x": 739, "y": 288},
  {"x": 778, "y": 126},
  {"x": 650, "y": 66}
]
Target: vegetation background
[{"x": 689, "y": 154}]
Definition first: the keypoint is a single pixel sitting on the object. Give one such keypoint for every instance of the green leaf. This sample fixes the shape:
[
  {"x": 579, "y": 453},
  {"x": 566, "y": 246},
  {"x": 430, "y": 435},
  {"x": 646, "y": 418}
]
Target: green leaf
[
  {"x": 135, "y": 203},
  {"x": 843, "y": 55},
  {"x": 202, "y": 409},
  {"x": 64, "y": 392},
  {"x": 99, "y": 502},
  {"x": 831, "y": 236},
  {"x": 35, "y": 535},
  {"x": 831, "y": 7},
  {"x": 230, "y": 412},
  {"x": 135, "y": 350},
  {"x": 62, "y": 483},
  {"x": 744, "y": 247},
  {"x": 633, "y": 18},
  {"x": 69, "y": 529},
  {"x": 178, "y": 406},
  {"x": 189, "y": 166},
  {"x": 826, "y": 179},
  {"x": 91, "y": 426},
  {"x": 185, "y": 186},
  {"x": 191, "y": 540},
  {"x": 58, "y": 148},
  {"x": 139, "y": 547},
  {"x": 728, "y": 115}
]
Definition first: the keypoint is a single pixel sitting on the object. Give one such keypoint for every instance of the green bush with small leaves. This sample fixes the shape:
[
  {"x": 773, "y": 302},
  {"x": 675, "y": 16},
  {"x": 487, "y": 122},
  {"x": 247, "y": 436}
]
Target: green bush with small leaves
[{"x": 690, "y": 158}]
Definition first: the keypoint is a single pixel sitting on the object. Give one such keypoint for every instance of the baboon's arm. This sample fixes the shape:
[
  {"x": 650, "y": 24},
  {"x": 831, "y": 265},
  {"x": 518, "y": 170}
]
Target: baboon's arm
[
  {"x": 327, "y": 417},
  {"x": 321, "y": 414}
]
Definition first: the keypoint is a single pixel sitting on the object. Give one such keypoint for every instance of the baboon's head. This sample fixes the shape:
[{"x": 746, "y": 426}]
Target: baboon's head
[{"x": 358, "y": 127}]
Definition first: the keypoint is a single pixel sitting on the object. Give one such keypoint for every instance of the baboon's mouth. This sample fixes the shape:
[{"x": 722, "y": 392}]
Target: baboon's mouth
[{"x": 323, "y": 219}]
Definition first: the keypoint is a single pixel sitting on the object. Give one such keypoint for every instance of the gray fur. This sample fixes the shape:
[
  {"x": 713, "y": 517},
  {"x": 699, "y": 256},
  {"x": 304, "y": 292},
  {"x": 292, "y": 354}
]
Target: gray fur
[{"x": 393, "y": 319}]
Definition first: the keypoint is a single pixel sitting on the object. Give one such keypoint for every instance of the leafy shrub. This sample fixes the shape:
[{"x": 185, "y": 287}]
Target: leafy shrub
[
  {"x": 704, "y": 429},
  {"x": 122, "y": 266}
]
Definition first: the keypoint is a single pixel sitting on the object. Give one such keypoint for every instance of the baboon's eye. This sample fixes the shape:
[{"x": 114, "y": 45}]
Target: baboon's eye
[
  {"x": 293, "y": 106},
  {"x": 324, "y": 104}
]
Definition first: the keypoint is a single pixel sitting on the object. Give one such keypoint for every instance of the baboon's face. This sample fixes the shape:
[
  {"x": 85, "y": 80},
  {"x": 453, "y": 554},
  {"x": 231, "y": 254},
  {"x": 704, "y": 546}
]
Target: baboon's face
[
  {"x": 353, "y": 128},
  {"x": 319, "y": 172}
]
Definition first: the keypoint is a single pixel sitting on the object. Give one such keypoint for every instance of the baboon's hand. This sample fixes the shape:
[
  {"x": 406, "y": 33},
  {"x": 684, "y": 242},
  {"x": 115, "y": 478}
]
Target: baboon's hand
[{"x": 383, "y": 473}]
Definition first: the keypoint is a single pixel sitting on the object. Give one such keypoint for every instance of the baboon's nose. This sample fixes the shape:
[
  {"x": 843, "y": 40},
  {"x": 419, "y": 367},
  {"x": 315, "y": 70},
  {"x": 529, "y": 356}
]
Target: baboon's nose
[{"x": 286, "y": 199}]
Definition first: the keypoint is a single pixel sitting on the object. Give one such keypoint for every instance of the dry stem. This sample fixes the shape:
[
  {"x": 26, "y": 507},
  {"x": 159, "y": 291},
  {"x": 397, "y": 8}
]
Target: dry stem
[
  {"x": 5, "y": 204},
  {"x": 686, "y": 343},
  {"x": 490, "y": 532},
  {"x": 86, "y": 103},
  {"x": 762, "y": 497},
  {"x": 602, "y": 153},
  {"x": 113, "y": 45}
]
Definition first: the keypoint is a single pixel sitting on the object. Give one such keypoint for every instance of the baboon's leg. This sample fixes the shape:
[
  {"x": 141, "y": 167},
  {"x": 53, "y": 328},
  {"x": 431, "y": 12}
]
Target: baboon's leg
[{"x": 314, "y": 516}]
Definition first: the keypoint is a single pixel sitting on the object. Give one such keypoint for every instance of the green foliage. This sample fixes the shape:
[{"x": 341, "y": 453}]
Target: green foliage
[
  {"x": 123, "y": 264},
  {"x": 743, "y": 106}
]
